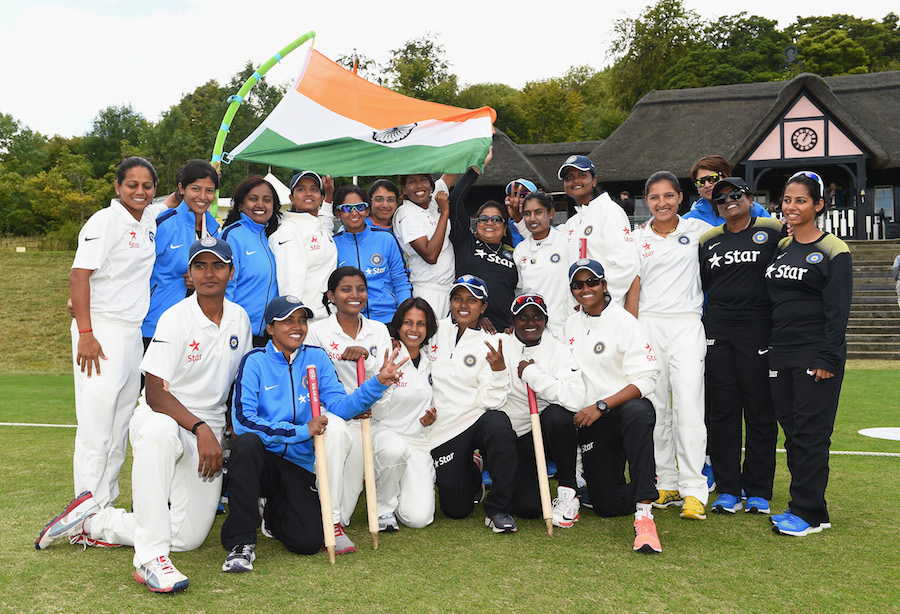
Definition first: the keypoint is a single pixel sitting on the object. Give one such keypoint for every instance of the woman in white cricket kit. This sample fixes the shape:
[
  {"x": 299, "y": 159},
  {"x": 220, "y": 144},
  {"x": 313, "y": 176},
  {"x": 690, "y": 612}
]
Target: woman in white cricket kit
[
  {"x": 304, "y": 250},
  {"x": 110, "y": 291},
  {"x": 599, "y": 228},
  {"x": 347, "y": 335},
  {"x": 404, "y": 471},
  {"x": 422, "y": 226},
  {"x": 671, "y": 304},
  {"x": 176, "y": 430}
]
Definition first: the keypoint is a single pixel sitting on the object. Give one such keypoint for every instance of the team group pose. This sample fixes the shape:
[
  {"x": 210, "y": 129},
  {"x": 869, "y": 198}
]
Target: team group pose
[{"x": 659, "y": 348}]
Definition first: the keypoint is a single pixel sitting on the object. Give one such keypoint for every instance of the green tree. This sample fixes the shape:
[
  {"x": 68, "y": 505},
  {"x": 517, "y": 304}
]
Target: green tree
[
  {"x": 647, "y": 47},
  {"x": 418, "y": 69},
  {"x": 22, "y": 150},
  {"x": 732, "y": 49},
  {"x": 366, "y": 67},
  {"x": 869, "y": 43},
  {"x": 111, "y": 129},
  {"x": 553, "y": 112},
  {"x": 601, "y": 115},
  {"x": 505, "y": 100}
]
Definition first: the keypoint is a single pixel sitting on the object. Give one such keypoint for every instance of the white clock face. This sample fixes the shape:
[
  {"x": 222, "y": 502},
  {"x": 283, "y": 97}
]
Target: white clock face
[{"x": 804, "y": 139}]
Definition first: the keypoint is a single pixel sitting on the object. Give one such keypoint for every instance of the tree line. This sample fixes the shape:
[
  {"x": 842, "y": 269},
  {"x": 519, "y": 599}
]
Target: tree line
[{"x": 53, "y": 184}]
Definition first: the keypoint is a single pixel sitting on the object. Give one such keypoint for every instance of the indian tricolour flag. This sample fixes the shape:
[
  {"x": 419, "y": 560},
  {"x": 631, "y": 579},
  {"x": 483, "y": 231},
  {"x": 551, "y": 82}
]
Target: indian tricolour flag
[{"x": 334, "y": 122}]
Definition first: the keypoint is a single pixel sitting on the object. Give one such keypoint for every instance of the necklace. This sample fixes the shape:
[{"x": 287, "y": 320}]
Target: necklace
[
  {"x": 663, "y": 232},
  {"x": 494, "y": 251}
]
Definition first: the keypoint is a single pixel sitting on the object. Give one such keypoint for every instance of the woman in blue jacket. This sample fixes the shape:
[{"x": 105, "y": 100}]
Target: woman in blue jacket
[
  {"x": 372, "y": 250},
  {"x": 176, "y": 231},
  {"x": 273, "y": 455},
  {"x": 254, "y": 216}
]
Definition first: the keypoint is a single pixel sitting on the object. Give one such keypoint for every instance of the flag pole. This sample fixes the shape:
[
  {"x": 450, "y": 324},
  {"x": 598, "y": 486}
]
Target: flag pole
[{"x": 237, "y": 99}]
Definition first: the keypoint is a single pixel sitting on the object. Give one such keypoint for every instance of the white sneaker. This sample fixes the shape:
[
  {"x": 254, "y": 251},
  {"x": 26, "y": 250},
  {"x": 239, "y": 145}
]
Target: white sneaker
[
  {"x": 70, "y": 522},
  {"x": 387, "y": 523},
  {"x": 566, "y": 508},
  {"x": 240, "y": 558},
  {"x": 160, "y": 576},
  {"x": 262, "y": 518}
]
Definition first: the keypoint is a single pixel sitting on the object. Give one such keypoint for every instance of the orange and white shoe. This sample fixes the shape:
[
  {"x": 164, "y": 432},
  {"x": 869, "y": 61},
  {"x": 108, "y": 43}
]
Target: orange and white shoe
[{"x": 646, "y": 540}]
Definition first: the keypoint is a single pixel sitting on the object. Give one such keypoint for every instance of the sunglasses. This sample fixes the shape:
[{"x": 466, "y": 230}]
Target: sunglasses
[
  {"x": 812, "y": 176},
  {"x": 484, "y": 219},
  {"x": 381, "y": 199},
  {"x": 734, "y": 195},
  {"x": 711, "y": 179},
  {"x": 590, "y": 282},
  {"x": 359, "y": 207},
  {"x": 520, "y": 302}
]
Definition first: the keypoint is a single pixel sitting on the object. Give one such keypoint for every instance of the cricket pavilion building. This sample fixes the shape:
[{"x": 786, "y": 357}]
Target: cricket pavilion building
[{"x": 846, "y": 129}]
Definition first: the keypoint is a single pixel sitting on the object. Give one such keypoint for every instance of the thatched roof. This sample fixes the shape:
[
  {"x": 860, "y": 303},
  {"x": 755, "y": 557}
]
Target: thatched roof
[{"x": 671, "y": 129}]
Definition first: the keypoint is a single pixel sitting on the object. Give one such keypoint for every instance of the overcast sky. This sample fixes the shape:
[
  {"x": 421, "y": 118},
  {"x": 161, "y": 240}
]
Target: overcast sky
[{"x": 62, "y": 61}]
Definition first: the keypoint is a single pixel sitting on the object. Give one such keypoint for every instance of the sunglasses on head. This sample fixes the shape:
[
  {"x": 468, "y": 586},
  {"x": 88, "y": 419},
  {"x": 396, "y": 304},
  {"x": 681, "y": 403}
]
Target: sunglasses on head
[
  {"x": 360, "y": 207},
  {"x": 711, "y": 179},
  {"x": 521, "y": 302},
  {"x": 733, "y": 195},
  {"x": 812, "y": 176},
  {"x": 590, "y": 282},
  {"x": 484, "y": 219}
]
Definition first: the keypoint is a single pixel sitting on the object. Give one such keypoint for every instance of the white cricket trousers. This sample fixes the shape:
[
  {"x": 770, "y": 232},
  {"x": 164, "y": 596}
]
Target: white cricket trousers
[
  {"x": 404, "y": 478},
  {"x": 679, "y": 438},
  {"x": 164, "y": 472},
  {"x": 344, "y": 454},
  {"x": 104, "y": 404},
  {"x": 437, "y": 295}
]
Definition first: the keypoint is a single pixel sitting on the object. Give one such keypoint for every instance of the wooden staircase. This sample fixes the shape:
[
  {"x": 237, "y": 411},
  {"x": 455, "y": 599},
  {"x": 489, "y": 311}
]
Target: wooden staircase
[{"x": 874, "y": 328}]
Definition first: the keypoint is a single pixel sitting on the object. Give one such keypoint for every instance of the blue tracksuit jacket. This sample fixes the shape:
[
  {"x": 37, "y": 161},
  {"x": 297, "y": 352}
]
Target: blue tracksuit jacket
[{"x": 254, "y": 283}]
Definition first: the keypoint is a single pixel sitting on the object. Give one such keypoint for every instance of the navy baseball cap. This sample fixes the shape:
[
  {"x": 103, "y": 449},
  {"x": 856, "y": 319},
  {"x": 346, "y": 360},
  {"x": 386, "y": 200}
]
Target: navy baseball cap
[
  {"x": 528, "y": 298},
  {"x": 582, "y": 163},
  {"x": 282, "y": 307},
  {"x": 303, "y": 174},
  {"x": 735, "y": 183},
  {"x": 528, "y": 185},
  {"x": 585, "y": 264},
  {"x": 473, "y": 284},
  {"x": 212, "y": 245}
]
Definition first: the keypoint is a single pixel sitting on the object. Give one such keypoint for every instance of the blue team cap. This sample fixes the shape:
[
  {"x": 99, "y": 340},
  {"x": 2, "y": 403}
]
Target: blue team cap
[
  {"x": 282, "y": 307},
  {"x": 303, "y": 174},
  {"x": 582, "y": 163},
  {"x": 212, "y": 245},
  {"x": 473, "y": 284},
  {"x": 585, "y": 264},
  {"x": 528, "y": 185}
]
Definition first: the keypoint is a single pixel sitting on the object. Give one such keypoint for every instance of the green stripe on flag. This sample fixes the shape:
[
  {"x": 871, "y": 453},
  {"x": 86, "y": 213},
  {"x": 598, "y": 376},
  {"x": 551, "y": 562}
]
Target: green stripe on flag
[{"x": 347, "y": 157}]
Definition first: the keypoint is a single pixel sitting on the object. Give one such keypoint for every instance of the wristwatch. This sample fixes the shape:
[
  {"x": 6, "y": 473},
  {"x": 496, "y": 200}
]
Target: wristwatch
[{"x": 602, "y": 408}]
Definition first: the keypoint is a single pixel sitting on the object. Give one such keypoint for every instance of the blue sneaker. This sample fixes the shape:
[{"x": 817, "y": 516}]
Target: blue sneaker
[
  {"x": 70, "y": 522},
  {"x": 551, "y": 469},
  {"x": 776, "y": 518},
  {"x": 727, "y": 504},
  {"x": 756, "y": 505},
  {"x": 710, "y": 478},
  {"x": 796, "y": 526}
]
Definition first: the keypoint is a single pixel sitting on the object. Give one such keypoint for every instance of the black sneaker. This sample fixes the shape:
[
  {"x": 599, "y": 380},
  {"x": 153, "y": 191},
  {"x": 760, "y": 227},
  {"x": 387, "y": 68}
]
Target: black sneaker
[
  {"x": 501, "y": 522},
  {"x": 585, "y": 497}
]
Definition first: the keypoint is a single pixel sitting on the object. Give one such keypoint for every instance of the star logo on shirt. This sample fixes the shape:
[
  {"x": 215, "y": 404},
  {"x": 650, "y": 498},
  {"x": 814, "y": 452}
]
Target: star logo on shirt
[
  {"x": 769, "y": 270},
  {"x": 571, "y": 231},
  {"x": 133, "y": 235},
  {"x": 303, "y": 398},
  {"x": 480, "y": 253},
  {"x": 368, "y": 272},
  {"x": 434, "y": 348},
  {"x": 334, "y": 346},
  {"x": 572, "y": 341},
  {"x": 627, "y": 231},
  {"x": 195, "y": 346},
  {"x": 646, "y": 245},
  {"x": 524, "y": 259},
  {"x": 714, "y": 261},
  {"x": 314, "y": 239}
]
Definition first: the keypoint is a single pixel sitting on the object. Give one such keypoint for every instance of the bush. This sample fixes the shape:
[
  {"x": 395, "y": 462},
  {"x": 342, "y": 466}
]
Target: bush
[{"x": 62, "y": 239}]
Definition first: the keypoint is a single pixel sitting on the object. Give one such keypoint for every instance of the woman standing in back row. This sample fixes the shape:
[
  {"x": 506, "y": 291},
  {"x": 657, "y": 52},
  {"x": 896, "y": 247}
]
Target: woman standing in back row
[{"x": 811, "y": 284}]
